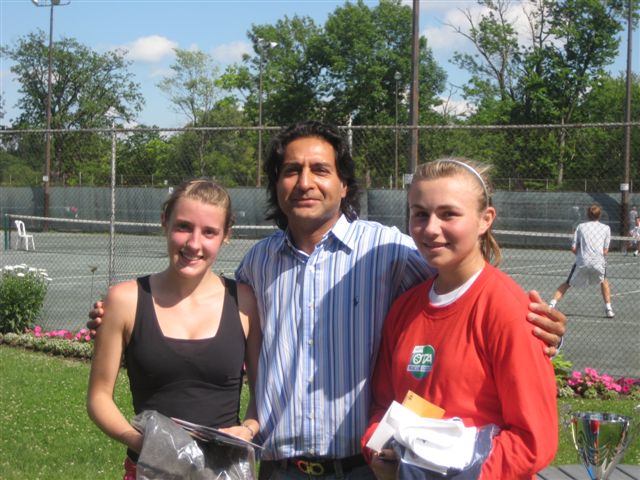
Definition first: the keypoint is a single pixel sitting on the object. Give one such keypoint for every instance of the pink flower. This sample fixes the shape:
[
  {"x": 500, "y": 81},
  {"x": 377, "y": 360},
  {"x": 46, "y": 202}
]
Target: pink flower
[
  {"x": 81, "y": 335},
  {"x": 590, "y": 379}
]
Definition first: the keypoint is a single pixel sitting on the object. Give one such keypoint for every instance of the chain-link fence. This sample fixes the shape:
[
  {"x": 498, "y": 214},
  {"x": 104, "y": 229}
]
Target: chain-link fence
[{"x": 545, "y": 178}]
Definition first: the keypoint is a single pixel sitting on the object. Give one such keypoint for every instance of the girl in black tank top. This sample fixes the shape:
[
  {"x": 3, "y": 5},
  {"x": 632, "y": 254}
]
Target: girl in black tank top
[{"x": 185, "y": 333}]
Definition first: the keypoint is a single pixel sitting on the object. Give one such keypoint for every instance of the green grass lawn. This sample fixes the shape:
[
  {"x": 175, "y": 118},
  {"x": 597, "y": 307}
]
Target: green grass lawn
[{"x": 45, "y": 432}]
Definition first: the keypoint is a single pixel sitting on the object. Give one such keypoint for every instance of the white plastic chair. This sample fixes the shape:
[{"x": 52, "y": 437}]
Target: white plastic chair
[{"x": 23, "y": 236}]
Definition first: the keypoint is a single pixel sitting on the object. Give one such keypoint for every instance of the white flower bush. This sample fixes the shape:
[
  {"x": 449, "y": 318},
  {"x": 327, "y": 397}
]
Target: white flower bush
[{"x": 22, "y": 293}]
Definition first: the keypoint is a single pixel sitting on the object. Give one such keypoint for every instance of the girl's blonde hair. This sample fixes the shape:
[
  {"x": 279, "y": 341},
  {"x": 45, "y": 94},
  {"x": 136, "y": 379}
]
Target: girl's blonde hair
[
  {"x": 202, "y": 190},
  {"x": 449, "y": 167}
]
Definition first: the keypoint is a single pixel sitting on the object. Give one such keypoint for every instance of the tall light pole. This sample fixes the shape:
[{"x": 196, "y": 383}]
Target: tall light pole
[
  {"x": 396, "y": 77},
  {"x": 262, "y": 46},
  {"x": 47, "y": 154},
  {"x": 624, "y": 186},
  {"x": 415, "y": 94}
]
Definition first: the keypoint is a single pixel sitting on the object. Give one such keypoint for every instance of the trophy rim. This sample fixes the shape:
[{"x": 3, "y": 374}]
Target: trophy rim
[{"x": 601, "y": 416}]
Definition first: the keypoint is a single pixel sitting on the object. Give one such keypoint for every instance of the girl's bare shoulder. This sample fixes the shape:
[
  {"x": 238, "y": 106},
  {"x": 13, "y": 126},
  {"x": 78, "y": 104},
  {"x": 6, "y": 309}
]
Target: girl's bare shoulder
[{"x": 122, "y": 298}]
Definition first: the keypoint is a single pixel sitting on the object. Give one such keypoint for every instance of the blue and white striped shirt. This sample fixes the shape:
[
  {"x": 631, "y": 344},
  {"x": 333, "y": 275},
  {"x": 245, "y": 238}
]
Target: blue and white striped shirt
[{"x": 322, "y": 317}]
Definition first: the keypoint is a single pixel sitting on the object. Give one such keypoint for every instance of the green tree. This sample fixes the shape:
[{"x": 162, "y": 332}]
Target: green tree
[
  {"x": 15, "y": 172},
  {"x": 193, "y": 85},
  {"x": 606, "y": 103},
  {"x": 85, "y": 85},
  {"x": 362, "y": 49},
  {"x": 292, "y": 79},
  {"x": 227, "y": 156},
  {"x": 193, "y": 88},
  {"x": 343, "y": 72},
  {"x": 139, "y": 157},
  {"x": 543, "y": 78},
  {"x": 231, "y": 152}
]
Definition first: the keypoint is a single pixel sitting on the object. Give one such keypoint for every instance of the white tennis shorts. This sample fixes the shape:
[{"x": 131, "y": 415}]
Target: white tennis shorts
[{"x": 585, "y": 275}]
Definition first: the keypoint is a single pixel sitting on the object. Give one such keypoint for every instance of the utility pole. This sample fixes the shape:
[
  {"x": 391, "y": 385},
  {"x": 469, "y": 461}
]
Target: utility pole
[
  {"x": 396, "y": 77},
  {"x": 624, "y": 186},
  {"x": 262, "y": 46},
  {"x": 415, "y": 93},
  {"x": 46, "y": 179}
]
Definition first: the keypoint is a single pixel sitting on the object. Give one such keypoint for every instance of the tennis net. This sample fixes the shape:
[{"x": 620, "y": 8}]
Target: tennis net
[{"x": 77, "y": 255}]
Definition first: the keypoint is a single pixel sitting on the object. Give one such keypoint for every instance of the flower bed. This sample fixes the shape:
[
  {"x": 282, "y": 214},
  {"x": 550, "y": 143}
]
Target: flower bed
[
  {"x": 55, "y": 342},
  {"x": 591, "y": 384},
  {"x": 571, "y": 383}
]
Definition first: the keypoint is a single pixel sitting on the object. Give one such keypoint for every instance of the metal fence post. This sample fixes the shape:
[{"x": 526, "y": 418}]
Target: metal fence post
[
  {"x": 112, "y": 218},
  {"x": 6, "y": 227}
]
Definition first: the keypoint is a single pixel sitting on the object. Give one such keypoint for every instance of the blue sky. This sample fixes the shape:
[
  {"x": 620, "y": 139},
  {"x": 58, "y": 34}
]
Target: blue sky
[{"x": 149, "y": 30}]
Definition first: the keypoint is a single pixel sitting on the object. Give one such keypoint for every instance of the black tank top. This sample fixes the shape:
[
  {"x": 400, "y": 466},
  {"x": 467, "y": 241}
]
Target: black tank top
[{"x": 196, "y": 380}]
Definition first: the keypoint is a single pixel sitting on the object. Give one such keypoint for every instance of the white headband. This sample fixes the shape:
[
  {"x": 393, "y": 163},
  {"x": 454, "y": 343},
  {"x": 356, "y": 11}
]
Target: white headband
[{"x": 473, "y": 171}]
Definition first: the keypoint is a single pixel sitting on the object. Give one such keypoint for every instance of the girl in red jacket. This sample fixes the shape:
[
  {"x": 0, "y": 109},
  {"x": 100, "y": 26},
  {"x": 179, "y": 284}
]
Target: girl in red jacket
[{"x": 477, "y": 359}]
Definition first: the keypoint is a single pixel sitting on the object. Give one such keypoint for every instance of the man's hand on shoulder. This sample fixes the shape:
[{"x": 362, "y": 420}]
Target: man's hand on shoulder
[
  {"x": 95, "y": 317},
  {"x": 550, "y": 324}
]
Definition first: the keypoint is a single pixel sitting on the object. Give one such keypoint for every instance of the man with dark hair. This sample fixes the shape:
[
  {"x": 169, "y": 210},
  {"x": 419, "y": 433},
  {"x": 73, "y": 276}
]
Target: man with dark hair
[
  {"x": 349, "y": 206},
  {"x": 591, "y": 247},
  {"x": 324, "y": 285}
]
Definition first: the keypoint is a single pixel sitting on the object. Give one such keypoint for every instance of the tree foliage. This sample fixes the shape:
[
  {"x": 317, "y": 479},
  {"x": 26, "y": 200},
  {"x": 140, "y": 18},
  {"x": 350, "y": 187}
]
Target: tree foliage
[
  {"x": 362, "y": 50},
  {"x": 85, "y": 84},
  {"x": 293, "y": 82},
  {"x": 193, "y": 85},
  {"x": 343, "y": 72},
  {"x": 542, "y": 77},
  {"x": 193, "y": 89}
]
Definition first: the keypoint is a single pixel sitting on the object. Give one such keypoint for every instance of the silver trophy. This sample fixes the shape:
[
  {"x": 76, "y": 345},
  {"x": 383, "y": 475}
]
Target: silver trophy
[{"x": 600, "y": 439}]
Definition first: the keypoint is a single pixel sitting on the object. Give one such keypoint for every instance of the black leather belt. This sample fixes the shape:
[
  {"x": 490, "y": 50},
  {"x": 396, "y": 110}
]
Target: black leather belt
[{"x": 318, "y": 466}]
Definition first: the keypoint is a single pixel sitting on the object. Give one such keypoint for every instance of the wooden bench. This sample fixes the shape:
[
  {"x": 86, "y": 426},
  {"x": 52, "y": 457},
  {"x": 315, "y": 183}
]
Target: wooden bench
[{"x": 578, "y": 472}]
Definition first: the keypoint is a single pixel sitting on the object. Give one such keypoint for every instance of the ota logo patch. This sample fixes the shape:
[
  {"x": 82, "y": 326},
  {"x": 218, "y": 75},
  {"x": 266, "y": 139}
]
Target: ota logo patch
[{"x": 421, "y": 361}]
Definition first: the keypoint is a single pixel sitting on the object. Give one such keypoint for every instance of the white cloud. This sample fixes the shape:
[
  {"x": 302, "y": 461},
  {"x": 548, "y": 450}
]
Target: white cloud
[
  {"x": 442, "y": 37},
  {"x": 231, "y": 52},
  {"x": 452, "y": 107},
  {"x": 150, "y": 49}
]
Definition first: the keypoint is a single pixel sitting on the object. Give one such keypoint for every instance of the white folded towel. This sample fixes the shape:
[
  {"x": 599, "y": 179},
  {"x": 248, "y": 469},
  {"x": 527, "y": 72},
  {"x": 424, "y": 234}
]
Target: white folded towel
[
  {"x": 433, "y": 444},
  {"x": 437, "y": 444}
]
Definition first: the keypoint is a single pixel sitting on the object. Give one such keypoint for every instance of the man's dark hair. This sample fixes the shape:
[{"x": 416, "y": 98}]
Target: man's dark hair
[{"x": 345, "y": 166}]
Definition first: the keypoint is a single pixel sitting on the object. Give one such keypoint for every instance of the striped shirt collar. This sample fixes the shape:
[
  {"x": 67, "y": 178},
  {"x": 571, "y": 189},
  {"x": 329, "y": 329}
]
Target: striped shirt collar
[{"x": 341, "y": 231}]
